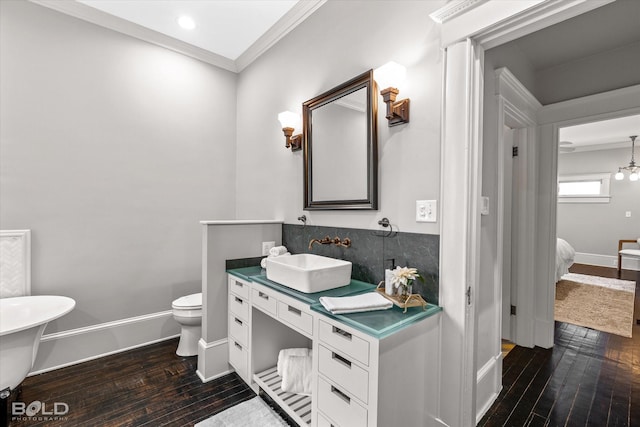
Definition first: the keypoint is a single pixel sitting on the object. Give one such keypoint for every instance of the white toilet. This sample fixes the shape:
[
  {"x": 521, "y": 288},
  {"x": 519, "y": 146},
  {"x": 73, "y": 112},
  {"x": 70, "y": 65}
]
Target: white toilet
[{"x": 187, "y": 311}]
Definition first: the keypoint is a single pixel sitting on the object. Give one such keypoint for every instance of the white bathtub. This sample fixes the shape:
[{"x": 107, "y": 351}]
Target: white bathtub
[{"x": 22, "y": 321}]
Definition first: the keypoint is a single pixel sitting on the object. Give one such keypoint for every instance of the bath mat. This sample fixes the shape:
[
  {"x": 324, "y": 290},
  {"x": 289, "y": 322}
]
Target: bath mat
[
  {"x": 251, "y": 413},
  {"x": 596, "y": 302}
]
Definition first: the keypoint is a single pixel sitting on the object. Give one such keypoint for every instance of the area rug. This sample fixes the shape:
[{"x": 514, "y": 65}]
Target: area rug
[
  {"x": 251, "y": 413},
  {"x": 596, "y": 302}
]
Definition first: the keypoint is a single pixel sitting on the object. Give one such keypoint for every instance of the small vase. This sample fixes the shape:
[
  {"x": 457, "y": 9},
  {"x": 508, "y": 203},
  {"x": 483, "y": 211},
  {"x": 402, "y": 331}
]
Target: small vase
[{"x": 406, "y": 290}]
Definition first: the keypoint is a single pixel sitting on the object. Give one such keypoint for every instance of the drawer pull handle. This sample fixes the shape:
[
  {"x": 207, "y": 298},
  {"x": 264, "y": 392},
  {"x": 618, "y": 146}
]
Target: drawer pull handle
[
  {"x": 238, "y": 284},
  {"x": 263, "y": 295},
  {"x": 238, "y": 300},
  {"x": 238, "y": 321},
  {"x": 341, "y": 395},
  {"x": 341, "y": 359},
  {"x": 238, "y": 345},
  {"x": 342, "y": 333},
  {"x": 294, "y": 310}
]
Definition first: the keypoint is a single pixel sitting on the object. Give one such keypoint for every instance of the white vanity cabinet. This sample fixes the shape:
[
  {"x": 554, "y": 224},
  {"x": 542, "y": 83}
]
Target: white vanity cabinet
[
  {"x": 238, "y": 325},
  {"x": 380, "y": 377},
  {"x": 365, "y": 381}
]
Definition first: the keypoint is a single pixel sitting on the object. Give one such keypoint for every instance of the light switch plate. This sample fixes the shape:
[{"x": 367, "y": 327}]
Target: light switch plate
[
  {"x": 266, "y": 246},
  {"x": 426, "y": 210}
]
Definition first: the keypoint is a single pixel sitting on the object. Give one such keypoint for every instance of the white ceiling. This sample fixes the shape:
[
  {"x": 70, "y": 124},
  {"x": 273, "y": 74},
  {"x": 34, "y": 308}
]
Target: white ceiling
[
  {"x": 600, "y": 135},
  {"x": 224, "y": 27},
  {"x": 229, "y": 33}
]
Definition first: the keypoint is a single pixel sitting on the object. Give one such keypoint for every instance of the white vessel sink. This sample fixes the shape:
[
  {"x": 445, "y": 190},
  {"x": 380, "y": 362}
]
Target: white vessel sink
[{"x": 309, "y": 273}]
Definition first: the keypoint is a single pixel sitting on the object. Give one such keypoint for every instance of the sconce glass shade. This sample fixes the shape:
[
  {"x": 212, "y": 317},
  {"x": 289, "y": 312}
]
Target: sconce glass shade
[
  {"x": 390, "y": 74},
  {"x": 633, "y": 176},
  {"x": 289, "y": 119},
  {"x": 619, "y": 176}
]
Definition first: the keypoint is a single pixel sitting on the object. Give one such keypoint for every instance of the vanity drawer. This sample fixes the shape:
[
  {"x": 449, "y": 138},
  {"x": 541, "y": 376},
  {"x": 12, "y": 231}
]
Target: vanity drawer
[
  {"x": 265, "y": 301},
  {"x": 349, "y": 344},
  {"x": 239, "y": 329},
  {"x": 295, "y": 317},
  {"x": 239, "y": 357},
  {"x": 343, "y": 409},
  {"x": 239, "y": 306},
  {"x": 239, "y": 287},
  {"x": 323, "y": 421},
  {"x": 343, "y": 372}
]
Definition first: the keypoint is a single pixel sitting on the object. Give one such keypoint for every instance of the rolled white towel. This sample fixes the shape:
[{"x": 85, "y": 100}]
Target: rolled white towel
[
  {"x": 263, "y": 261},
  {"x": 297, "y": 374},
  {"x": 278, "y": 250},
  {"x": 286, "y": 352},
  {"x": 364, "y": 302}
]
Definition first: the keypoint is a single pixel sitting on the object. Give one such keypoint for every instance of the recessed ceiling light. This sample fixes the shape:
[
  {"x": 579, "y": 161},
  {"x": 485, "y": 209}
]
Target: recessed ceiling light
[{"x": 186, "y": 22}]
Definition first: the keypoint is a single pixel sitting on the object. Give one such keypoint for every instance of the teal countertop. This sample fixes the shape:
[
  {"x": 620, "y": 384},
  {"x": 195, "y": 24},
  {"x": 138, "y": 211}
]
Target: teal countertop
[{"x": 378, "y": 324}]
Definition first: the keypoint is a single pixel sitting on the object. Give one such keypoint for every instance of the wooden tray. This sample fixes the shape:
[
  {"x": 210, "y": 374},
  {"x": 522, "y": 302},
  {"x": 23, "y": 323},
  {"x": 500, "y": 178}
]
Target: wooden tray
[{"x": 414, "y": 300}]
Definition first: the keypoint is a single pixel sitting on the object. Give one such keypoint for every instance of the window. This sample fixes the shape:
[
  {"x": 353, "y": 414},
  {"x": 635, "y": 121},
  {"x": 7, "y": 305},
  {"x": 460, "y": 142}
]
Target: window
[{"x": 591, "y": 188}]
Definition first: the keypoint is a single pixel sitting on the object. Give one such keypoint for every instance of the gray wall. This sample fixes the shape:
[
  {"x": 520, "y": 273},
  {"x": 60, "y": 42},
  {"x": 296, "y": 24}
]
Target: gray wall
[
  {"x": 595, "y": 228},
  {"x": 341, "y": 40},
  {"x": 112, "y": 150}
]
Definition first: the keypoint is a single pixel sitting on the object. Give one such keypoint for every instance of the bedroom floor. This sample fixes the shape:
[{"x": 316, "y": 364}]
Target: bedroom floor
[{"x": 589, "y": 378}]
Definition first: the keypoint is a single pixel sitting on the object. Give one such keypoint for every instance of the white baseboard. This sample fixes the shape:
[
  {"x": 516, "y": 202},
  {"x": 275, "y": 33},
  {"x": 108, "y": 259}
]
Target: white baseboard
[
  {"x": 66, "y": 348},
  {"x": 606, "y": 261},
  {"x": 213, "y": 359}
]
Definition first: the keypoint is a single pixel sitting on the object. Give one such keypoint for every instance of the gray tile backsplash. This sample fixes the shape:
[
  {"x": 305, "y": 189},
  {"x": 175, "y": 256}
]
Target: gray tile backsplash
[{"x": 371, "y": 253}]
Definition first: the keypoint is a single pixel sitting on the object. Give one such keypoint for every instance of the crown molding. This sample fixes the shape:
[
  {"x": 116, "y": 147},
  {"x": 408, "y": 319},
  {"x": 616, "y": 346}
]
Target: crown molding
[
  {"x": 301, "y": 11},
  {"x": 283, "y": 26},
  {"x": 453, "y": 9}
]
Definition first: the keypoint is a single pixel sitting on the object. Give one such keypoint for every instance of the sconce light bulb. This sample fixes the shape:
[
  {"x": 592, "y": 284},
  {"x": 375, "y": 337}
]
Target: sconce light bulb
[
  {"x": 289, "y": 119},
  {"x": 633, "y": 176},
  {"x": 619, "y": 176},
  {"x": 390, "y": 74}
]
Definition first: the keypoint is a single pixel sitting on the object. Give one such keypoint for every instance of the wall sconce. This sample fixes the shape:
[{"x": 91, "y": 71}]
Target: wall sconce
[
  {"x": 388, "y": 77},
  {"x": 289, "y": 121}
]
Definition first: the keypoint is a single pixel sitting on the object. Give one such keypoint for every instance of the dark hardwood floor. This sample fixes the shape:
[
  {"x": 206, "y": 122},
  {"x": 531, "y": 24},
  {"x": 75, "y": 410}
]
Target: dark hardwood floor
[
  {"x": 150, "y": 386},
  {"x": 589, "y": 378}
]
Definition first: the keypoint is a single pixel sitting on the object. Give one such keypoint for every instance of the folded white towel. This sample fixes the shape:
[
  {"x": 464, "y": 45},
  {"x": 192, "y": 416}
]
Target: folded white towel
[
  {"x": 364, "y": 302},
  {"x": 286, "y": 352},
  {"x": 296, "y": 374},
  {"x": 278, "y": 250}
]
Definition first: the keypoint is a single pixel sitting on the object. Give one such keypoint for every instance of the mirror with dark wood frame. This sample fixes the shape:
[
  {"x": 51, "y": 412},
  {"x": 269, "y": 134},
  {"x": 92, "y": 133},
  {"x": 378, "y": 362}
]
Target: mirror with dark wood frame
[{"x": 341, "y": 147}]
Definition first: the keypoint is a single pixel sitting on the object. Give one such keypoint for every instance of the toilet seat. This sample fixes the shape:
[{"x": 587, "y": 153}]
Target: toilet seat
[{"x": 188, "y": 302}]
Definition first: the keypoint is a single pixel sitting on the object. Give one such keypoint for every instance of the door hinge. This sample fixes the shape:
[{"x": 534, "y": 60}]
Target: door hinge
[
  {"x": 513, "y": 310},
  {"x": 514, "y": 151},
  {"x": 468, "y": 295}
]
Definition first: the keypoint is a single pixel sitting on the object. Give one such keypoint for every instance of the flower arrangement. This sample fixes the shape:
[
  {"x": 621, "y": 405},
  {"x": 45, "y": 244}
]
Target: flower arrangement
[{"x": 402, "y": 278}]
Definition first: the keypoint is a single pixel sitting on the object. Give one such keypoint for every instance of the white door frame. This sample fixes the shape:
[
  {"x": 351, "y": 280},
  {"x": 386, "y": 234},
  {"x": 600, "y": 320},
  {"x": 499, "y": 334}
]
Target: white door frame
[
  {"x": 467, "y": 28},
  {"x": 517, "y": 109}
]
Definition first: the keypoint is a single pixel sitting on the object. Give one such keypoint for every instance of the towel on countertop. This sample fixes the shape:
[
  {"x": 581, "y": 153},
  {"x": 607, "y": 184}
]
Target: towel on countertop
[
  {"x": 364, "y": 302},
  {"x": 263, "y": 261},
  {"x": 296, "y": 374},
  {"x": 286, "y": 352},
  {"x": 278, "y": 250}
]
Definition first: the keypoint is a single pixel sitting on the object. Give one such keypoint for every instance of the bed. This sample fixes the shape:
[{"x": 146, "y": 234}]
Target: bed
[{"x": 564, "y": 258}]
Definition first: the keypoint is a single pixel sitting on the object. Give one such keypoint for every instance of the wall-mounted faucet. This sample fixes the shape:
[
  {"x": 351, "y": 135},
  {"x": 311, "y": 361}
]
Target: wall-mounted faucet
[{"x": 346, "y": 242}]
